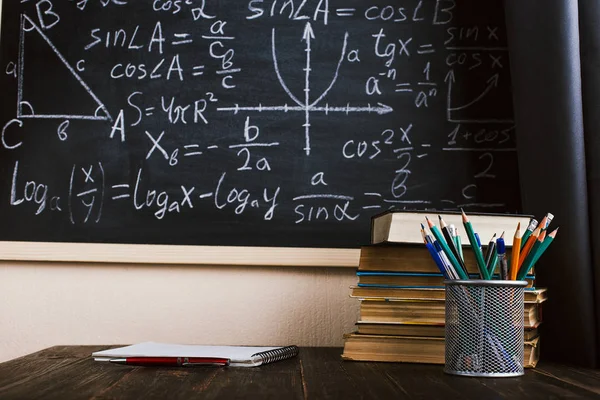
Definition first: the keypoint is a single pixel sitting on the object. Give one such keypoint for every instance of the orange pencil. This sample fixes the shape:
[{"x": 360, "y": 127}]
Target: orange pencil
[
  {"x": 516, "y": 250},
  {"x": 529, "y": 244},
  {"x": 543, "y": 223}
]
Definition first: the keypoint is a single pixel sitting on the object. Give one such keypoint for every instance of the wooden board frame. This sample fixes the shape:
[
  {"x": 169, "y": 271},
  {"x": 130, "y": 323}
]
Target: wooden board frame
[{"x": 179, "y": 254}]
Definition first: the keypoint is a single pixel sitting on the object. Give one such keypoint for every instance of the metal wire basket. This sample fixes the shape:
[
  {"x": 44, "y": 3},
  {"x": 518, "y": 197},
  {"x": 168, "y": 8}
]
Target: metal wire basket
[{"x": 484, "y": 328}]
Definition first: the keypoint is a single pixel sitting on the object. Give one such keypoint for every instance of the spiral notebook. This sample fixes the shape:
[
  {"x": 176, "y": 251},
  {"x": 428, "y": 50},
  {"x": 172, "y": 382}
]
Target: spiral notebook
[{"x": 239, "y": 356}]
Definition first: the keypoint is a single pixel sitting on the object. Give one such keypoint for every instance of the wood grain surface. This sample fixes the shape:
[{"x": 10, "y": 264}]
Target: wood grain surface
[{"x": 68, "y": 372}]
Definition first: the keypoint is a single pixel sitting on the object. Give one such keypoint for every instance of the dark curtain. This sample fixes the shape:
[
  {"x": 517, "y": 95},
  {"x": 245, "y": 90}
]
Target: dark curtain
[{"x": 554, "y": 48}]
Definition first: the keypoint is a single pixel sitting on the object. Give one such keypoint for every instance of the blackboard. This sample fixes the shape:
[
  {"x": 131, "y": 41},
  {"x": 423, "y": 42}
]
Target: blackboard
[{"x": 249, "y": 123}]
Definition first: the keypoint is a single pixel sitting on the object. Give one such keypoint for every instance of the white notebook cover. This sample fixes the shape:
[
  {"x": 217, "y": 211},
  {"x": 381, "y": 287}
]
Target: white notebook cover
[{"x": 239, "y": 356}]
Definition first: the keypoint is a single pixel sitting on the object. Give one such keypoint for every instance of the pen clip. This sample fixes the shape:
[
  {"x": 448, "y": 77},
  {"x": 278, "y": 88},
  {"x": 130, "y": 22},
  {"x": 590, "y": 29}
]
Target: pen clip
[{"x": 206, "y": 364}]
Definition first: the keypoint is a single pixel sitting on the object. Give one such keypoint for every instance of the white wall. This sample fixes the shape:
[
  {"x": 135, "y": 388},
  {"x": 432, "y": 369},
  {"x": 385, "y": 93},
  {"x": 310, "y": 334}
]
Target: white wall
[{"x": 46, "y": 304}]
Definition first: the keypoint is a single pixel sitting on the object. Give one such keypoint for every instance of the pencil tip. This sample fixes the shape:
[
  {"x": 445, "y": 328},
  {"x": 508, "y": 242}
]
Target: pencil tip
[
  {"x": 502, "y": 236},
  {"x": 422, "y": 226}
]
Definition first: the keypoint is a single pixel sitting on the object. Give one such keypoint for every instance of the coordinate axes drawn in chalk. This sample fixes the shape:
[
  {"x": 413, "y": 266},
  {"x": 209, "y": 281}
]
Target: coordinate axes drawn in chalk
[
  {"x": 100, "y": 113},
  {"x": 491, "y": 84},
  {"x": 306, "y": 106}
]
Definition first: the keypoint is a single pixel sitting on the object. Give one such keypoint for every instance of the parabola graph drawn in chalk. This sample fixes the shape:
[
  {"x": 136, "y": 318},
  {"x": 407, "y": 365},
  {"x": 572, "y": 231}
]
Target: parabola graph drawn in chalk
[
  {"x": 307, "y": 107},
  {"x": 25, "y": 109}
]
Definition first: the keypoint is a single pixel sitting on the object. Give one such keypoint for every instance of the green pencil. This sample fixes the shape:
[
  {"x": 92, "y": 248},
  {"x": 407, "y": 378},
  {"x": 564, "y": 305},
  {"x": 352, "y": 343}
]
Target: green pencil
[
  {"x": 456, "y": 241},
  {"x": 530, "y": 228},
  {"x": 478, "y": 256},
  {"x": 541, "y": 250},
  {"x": 545, "y": 245},
  {"x": 543, "y": 224},
  {"x": 440, "y": 238},
  {"x": 459, "y": 246},
  {"x": 549, "y": 218},
  {"x": 528, "y": 262}
]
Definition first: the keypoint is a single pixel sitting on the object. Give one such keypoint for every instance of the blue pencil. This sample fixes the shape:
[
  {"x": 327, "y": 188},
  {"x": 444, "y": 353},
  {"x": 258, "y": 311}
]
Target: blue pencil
[
  {"x": 437, "y": 259},
  {"x": 445, "y": 261}
]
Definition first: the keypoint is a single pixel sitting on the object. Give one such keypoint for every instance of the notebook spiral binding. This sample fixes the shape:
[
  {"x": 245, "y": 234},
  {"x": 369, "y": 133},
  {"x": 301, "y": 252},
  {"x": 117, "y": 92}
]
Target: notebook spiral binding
[{"x": 277, "y": 354}]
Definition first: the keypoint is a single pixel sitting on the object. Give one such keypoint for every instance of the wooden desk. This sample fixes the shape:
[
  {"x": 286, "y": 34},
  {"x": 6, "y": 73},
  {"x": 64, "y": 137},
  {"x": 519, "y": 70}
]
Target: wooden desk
[{"x": 68, "y": 372}]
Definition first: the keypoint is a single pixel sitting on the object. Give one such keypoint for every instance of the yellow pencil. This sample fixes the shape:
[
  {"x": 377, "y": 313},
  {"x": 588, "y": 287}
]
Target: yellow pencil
[{"x": 516, "y": 250}]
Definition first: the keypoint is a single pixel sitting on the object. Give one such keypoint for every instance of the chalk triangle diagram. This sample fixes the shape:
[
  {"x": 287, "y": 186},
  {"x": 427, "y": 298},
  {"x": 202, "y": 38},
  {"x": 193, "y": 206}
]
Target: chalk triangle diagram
[{"x": 48, "y": 86}]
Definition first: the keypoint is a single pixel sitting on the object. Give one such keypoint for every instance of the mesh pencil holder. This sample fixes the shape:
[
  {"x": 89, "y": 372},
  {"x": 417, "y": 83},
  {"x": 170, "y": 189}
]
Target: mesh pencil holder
[{"x": 484, "y": 328}]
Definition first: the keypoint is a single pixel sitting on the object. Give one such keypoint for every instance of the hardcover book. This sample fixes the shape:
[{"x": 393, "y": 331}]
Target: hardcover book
[{"x": 403, "y": 227}]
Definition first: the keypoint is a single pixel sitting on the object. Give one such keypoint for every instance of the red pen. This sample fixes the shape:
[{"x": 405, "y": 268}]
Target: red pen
[{"x": 172, "y": 361}]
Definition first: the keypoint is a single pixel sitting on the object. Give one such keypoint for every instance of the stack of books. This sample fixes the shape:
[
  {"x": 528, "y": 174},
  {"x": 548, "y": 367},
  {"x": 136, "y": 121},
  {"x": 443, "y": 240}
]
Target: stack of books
[{"x": 402, "y": 293}]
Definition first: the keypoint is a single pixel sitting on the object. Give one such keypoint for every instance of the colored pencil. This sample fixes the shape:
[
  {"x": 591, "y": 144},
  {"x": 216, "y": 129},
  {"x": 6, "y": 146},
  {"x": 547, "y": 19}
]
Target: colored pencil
[
  {"x": 543, "y": 224},
  {"x": 489, "y": 252},
  {"x": 451, "y": 271},
  {"x": 459, "y": 247},
  {"x": 528, "y": 263},
  {"x": 457, "y": 244},
  {"x": 446, "y": 250},
  {"x": 440, "y": 238},
  {"x": 478, "y": 256},
  {"x": 437, "y": 260},
  {"x": 516, "y": 250},
  {"x": 550, "y": 218},
  {"x": 424, "y": 234},
  {"x": 527, "y": 248},
  {"x": 434, "y": 253},
  {"x": 451, "y": 243},
  {"x": 549, "y": 238},
  {"x": 457, "y": 241},
  {"x": 530, "y": 228}
]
